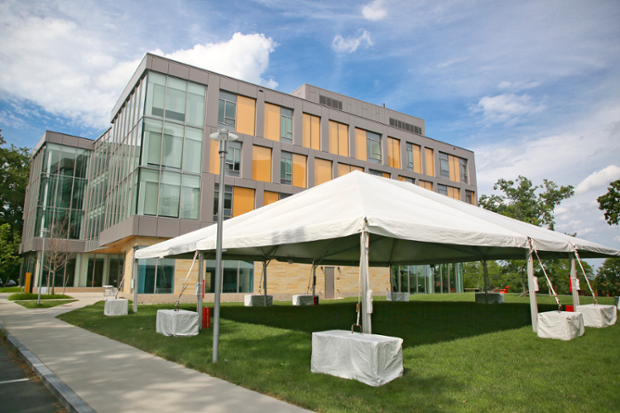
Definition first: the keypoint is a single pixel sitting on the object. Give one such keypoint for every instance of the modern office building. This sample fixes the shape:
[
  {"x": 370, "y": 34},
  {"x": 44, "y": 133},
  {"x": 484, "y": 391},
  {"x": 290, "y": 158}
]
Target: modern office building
[{"x": 154, "y": 175}]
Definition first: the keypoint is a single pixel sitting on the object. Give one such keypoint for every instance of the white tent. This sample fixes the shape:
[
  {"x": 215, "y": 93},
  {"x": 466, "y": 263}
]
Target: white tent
[{"x": 405, "y": 225}]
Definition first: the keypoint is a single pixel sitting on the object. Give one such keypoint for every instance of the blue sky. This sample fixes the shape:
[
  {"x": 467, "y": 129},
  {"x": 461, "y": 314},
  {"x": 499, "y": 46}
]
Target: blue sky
[{"x": 532, "y": 87}]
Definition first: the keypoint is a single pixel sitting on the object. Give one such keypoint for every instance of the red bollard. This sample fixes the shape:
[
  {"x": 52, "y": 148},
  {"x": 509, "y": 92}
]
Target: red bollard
[
  {"x": 206, "y": 317},
  {"x": 569, "y": 308}
]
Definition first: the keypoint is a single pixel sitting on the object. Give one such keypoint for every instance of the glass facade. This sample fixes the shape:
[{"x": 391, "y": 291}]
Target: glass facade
[
  {"x": 156, "y": 276},
  {"x": 237, "y": 276},
  {"x": 428, "y": 279},
  {"x": 58, "y": 206}
]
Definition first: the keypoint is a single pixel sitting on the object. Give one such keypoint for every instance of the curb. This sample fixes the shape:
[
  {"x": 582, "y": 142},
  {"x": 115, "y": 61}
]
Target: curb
[{"x": 60, "y": 390}]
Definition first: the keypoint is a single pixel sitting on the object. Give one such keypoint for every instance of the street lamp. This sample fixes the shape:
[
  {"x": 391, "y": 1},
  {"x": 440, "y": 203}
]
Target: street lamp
[
  {"x": 43, "y": 232},
  {"x": 223, "y": 136}
]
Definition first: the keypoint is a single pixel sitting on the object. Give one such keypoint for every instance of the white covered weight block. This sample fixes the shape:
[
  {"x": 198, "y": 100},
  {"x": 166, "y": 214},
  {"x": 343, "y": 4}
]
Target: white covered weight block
[
  {"x": 597, "y": 315},
  {"x": 560, "y": 325}
]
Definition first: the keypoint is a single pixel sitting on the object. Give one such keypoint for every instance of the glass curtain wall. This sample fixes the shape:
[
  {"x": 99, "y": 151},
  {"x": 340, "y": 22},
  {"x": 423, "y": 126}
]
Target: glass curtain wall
[
  {"x": 62, "y": 185},
  {"x": 171, "y": 148},
  {"x": 237, "y": 276},
  {"x": 156, "y": 276},
  {"x": 428, "y": 279}
]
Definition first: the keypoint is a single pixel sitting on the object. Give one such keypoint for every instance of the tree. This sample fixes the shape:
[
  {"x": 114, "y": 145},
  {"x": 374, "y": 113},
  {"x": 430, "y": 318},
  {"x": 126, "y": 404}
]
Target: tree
[
  {"x": 608, "y": 277},
  {"x": 14, "y": 176},
  {"x": 523, "y": 203},
  {"x": 610, "y": 203},
  {"x": 527, "y": 203},
  {"x": 57, "y": 254}
]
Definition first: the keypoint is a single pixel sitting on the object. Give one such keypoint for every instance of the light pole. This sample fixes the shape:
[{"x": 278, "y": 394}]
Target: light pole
[
  {"x": 43, "y": 232},
  {"x": 223, "y": 136}
]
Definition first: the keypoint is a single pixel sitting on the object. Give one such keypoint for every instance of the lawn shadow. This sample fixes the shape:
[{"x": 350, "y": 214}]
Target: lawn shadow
[{"x": 418, "y": 323}]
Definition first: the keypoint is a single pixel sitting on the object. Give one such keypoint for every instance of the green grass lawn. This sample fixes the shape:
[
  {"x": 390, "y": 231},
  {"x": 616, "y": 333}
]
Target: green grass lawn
[
  {"x": 10, "y": 289},
  {"x": 44, "y": 303},
  {"x": 458, "y": 356},
  {"x": 35, "y": 296}
]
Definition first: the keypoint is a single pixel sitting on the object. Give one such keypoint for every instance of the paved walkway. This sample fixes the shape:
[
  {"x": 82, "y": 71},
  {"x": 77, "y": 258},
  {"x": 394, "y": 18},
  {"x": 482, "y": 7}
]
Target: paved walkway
[{"x": 113, "y": 377}]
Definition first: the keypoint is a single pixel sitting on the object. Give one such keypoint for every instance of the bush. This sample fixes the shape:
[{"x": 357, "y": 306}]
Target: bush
[{"x": 34, "y": 296}]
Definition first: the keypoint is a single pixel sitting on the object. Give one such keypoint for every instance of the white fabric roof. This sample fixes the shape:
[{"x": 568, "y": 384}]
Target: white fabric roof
[{"x": 407, "y": 225}]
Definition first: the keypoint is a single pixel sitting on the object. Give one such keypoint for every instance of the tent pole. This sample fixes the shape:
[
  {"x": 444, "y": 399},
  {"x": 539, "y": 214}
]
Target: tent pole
[
  {"x": 532, "y": 290},
  {"x": 200, "y": 288},
  {"x": 265, "y": 281},
  {"x": 134, "y": 280},
  {"x": 486, "y": 281},
  {"x": 313, "y": 280},
  {"x": 573, "y": 280},
  {"x": 366, "y": 300}
]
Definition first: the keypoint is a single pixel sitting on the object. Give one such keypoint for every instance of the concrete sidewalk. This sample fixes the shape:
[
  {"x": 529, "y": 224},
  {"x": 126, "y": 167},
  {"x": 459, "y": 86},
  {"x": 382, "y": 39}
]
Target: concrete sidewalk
[{"x": 113, "y": 377}]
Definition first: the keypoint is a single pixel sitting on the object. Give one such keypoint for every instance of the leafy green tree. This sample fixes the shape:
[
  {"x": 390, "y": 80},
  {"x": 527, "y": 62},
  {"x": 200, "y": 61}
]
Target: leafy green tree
[
  {"x": 610, "y": 203},
  {"x": 9, "y": 253},
  {"x": 608, "y": 277},
  {"x": 535, "y": 205},
  {"x": 522, "y": 202},
  {"x": 14, "y": 176}
]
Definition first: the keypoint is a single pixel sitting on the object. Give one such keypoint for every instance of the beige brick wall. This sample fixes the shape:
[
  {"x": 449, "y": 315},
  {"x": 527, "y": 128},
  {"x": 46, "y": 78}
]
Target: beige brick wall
[{"x": 283, "y": 279}]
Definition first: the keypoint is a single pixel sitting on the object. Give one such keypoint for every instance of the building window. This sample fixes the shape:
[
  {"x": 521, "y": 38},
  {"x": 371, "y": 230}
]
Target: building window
[
  {"x": 311, "y": 132},
  {"x": 156, "y": 276},
  {"x": 344, "y": 169},
  {"x": 242, "y": 201},
  {"x": 375, "y": 172},
  {"x": 190, "y": 197},
  {"x": 261, "y": 163},
  {"x": 286, "y": 168},
  {"x": 414, "y": 161},
  {"x": 270, "y": 197},
  {"x": 233, "y": 158},
  {"x": 463, "y": 170},
  {"x": 442, "y": 189},
  {"x": 338, "y": 138},
  {"x": 374, "y": 147},
  {"x": 227, "y": 111},
  {"x": 175, "y": 99},
  {"x": 394, "y": 153},
  {"x": 406, "y": 179},
  {"x": 322, "y": 171},
  {"x": 286, "y": 125},
  {"x": 237, "y": 276},
  {"x": 470, "y": 197},
  {"x": 429, "y": 162},
  {"x": 228, "y": 198},
  {"x": 426, "y": 185},
  {"x": 444, "y": 166}
]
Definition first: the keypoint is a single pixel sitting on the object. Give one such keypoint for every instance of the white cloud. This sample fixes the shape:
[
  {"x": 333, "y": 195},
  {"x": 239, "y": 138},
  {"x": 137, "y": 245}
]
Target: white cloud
[
  {"x": 599, "y": 180},
  {"x": 52, "y": 62},
  {"x": 507, "y": 108},
  {"x": 244, "y": 57},
  {"x": 374, "y": 11},
  {"x": 342, "y": 45}
]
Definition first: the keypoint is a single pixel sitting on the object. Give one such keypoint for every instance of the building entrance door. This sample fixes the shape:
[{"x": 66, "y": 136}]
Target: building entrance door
[{"x": 329, "y": 282}]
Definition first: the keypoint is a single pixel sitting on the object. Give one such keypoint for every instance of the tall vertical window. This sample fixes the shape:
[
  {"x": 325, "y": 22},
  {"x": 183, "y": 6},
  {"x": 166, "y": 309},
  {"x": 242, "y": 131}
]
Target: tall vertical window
[
  {"x": 322, "y": 171},
  {"x": 414, "y": 159},
  {"x": 156, "y": 276},
  {"x": 444, "y": 165},
  {"x": 344, "y": 169},
  {"x": 463, "y": 170},
  {"x": 470, "y": 197},
  {"x": 311, "y": 131},
  {"x": 338, "y": 138},
  {"x": 393, "y": 153},
  {"x": 233, "y": 158},
  {"x": 426, "y": 185},
  {"x": 286, "y": 168},
  {"x": 286, "y": 125},
  {"x": 227, "y": 111},
  {"x": 442, "y": 189},
  {"x": 261, "y": 163},
  {"x": 374, "y": 147},
  {"x": 429, "y": 164},
  {"x": 299, "y": 170},
  {"x": 278, "y": 123},
  {"x": 228, "y": 196}
]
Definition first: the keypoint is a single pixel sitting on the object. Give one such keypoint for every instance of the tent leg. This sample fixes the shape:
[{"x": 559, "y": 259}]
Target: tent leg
[
  {"x": 134, "y": 279},
  {"x": 532, "y": 290},
  {"x": 201, "y": 289},
  {"x": 265, "y": 281},
  {"x": 366, "y": 300},
  {"x": 313, "y": 280},
  {"x": 573, "y": 280},
  {"x": 485, "y": 269}
]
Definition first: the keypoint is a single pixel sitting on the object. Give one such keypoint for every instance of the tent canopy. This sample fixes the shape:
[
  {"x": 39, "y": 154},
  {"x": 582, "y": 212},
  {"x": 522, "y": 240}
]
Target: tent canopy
[{"x": 407, "y": 225}]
